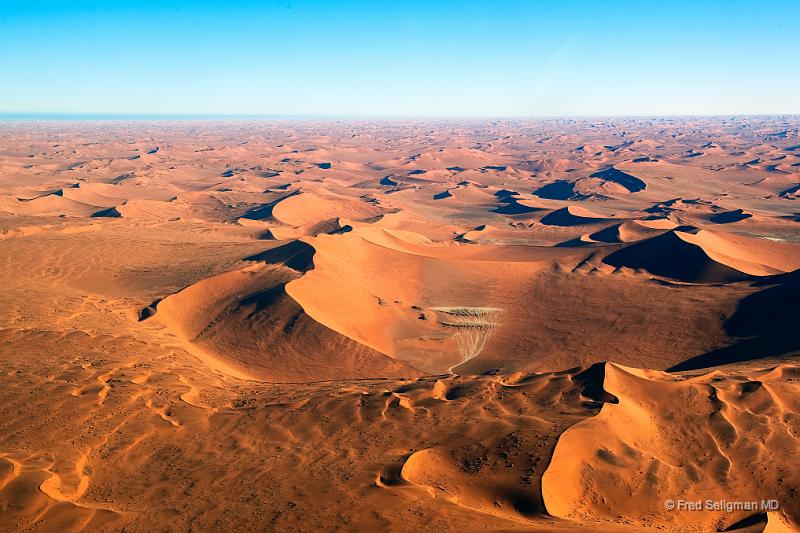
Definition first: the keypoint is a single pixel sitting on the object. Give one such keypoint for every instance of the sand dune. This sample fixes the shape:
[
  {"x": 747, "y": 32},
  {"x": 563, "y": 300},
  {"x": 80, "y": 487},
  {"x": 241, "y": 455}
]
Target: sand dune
[
  {"x": 704, "y": 257},
  {"x": 631, "y": 231},
  {"x": 608, "y": 183},
  {"x": 553, "y": 165},
  {"x": 247, "y": 323},
  {"x": 511, "y": 205},
  {"x": 452, "y": 157},
  {"x": 315, "y": 211},
  {"x": 54, "y": 204},
  {"x": 623, "y": 179},
  {"x": 572, "y": 216},
  {"x": 700, "y": 445},
  {"x": 729, "y": 217}
]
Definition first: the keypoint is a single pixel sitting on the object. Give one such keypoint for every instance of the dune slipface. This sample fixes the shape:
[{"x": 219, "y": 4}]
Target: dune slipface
[{"x": 518, "y": 325}]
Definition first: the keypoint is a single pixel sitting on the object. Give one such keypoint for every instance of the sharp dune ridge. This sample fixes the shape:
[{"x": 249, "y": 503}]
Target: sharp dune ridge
[{"x": 516, "y": 325}]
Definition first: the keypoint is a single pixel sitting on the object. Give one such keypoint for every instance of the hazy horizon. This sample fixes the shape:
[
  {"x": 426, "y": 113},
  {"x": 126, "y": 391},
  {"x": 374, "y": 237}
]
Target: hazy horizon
[
  {"x": 354, "y": 59},
  {"x": 178, "y": 117}
]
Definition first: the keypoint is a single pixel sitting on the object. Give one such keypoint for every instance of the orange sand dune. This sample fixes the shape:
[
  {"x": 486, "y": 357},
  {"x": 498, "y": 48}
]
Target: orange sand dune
[
  {"x": 310, "y": 208},
  {"x": 247, "y": 323},
  {"x": 452, "y": 157},
  {"x": 713, "y": 440},
  {"x": 572, "y": 216},
  {"x": 707, "y": 257},
  {"x": 633, "y": 230}
]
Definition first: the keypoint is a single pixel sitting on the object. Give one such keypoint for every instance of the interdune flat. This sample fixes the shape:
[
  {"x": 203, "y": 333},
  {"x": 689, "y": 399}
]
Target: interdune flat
[{"x": 518, "y": 325}]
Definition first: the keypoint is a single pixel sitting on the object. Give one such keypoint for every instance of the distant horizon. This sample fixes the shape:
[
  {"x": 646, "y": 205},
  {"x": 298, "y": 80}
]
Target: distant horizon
[
  {"x": 354, "y": 58},
  {"x": 103, "y": 116}
]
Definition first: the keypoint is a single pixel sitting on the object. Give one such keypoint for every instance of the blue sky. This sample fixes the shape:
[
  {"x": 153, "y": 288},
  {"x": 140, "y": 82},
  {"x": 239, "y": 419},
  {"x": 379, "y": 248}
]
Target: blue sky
[{"x": 447, "y": 58}]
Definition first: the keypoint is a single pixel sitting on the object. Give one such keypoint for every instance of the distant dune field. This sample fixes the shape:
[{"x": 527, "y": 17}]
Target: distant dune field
[{"x": 510, "y": 325}]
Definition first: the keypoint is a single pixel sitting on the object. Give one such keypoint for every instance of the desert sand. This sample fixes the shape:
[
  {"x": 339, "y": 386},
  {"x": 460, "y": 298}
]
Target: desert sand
[{"x": 508, "y": 325}]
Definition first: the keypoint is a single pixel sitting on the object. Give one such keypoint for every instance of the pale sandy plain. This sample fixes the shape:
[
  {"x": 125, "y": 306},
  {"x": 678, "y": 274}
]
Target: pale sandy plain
[{"x": 550, "y": 325}]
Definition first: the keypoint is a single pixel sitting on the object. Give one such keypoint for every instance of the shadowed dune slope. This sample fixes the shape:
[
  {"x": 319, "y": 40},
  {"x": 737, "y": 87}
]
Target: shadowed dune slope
[
  {"x": 629, "y": 182},
  {"x": 705, "y": 257},
  {"x": 633, "y": 230},
  {"x": 763, "y": 325},
  {"x": 572, "y": 216}
]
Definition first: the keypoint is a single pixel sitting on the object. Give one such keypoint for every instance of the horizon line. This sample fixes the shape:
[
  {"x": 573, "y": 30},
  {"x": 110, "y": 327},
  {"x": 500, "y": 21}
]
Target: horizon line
[{"x": 55, "y": 116}]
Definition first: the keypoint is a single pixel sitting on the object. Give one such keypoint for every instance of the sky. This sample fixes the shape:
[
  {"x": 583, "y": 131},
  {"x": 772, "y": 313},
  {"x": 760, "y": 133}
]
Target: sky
[{"x": 401, "y": 58}]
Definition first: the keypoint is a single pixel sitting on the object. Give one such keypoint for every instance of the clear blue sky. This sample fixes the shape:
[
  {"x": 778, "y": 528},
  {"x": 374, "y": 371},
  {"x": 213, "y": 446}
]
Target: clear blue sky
[{"x": 460, "y": 58}]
